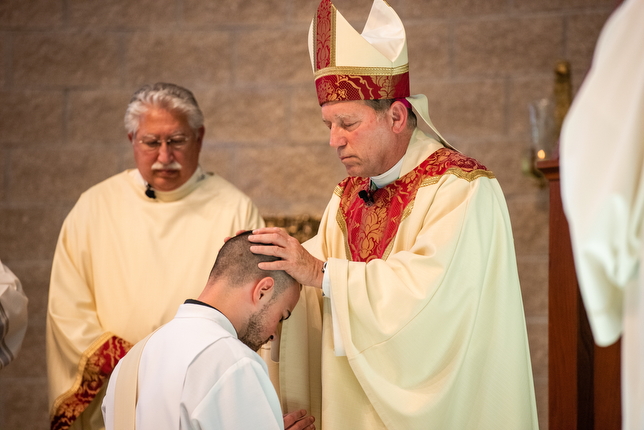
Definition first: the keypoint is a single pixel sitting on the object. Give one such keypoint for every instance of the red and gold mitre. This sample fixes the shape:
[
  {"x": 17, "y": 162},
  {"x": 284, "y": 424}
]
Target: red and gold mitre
[
  {"x": 352, "y": 66},
  {"x": 370, "y": 66}
]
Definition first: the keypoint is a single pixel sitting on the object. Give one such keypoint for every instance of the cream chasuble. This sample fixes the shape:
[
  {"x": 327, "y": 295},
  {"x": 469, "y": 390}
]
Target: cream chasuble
[
  {"x": 123, "y": 265},
  {"x": 432, "y": 321}
]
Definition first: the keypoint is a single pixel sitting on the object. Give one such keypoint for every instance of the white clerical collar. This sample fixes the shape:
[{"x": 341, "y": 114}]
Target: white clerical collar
[
  {"x": 389, "y": 176},
  {"x": 177, "y": 194}
]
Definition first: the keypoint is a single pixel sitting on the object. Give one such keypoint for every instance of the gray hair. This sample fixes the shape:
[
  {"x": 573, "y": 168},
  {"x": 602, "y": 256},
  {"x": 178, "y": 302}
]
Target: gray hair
[
  {"x": 170, "y": 97},
  {"x": 382, "y": 105}
]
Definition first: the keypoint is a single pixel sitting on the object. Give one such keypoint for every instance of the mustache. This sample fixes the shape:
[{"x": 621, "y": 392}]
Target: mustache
[{"x": 172, "y": 166}]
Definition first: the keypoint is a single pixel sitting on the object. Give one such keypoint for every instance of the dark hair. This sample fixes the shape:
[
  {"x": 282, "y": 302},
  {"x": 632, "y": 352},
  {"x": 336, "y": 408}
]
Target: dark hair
[
  {"x": 381, "y": 106},
  {"x": 236, "y": 263}
]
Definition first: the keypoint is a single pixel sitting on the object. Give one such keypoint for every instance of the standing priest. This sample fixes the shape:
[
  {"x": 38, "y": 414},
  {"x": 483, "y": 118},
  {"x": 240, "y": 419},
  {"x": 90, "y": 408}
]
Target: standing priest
[
  {"x": 413, "y": 307},
  {"x": 132, "y": 248}
]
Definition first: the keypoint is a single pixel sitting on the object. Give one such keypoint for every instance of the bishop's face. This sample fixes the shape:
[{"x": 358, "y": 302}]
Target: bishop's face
[
  {"x": 166, "y": 149},
  {"x": 362, "y": 138}
]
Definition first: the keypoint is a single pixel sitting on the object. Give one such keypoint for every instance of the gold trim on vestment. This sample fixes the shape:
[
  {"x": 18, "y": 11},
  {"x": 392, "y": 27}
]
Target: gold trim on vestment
[
  {"x": 388, "y": 249},
  {"x": 362, "y": 71},
  {"x": 459, "y": 173},
  {"x": 405, "y": 214},
  {"x": 456, "y": 171},
  {"x": 81, "y": 369},
  {"x": 342, "y": 223},
  {"x": 333, "y": 38}
]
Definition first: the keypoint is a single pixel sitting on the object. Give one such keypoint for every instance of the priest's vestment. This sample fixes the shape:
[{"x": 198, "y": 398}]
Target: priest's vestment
[
  {"x": 602, "y": 191},
  {"x": 425, "y": 296},
  {"x": 123, "y": 265},
  {"x": 195, "y": 374}
]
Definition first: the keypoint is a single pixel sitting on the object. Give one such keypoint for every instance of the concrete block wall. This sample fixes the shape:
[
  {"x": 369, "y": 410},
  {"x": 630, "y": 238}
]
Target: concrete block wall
[{"x": 68, "y": 68}]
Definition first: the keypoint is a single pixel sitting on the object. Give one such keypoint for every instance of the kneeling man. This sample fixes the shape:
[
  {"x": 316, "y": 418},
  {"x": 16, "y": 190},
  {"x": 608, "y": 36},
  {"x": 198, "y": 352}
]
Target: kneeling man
[{"x": 201, "y": 370}]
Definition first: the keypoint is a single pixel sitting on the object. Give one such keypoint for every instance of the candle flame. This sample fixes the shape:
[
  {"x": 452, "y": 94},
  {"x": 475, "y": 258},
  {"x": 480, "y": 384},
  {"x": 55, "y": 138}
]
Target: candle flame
[{"x": 541, "y": 154}]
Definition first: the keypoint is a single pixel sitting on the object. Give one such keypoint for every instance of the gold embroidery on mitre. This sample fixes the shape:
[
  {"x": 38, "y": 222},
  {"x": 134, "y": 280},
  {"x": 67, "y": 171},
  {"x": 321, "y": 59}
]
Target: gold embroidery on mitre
[
  {"x": 362, "y": 71},
  {"x": 333, "y": 36},
  {"x": 327, "y": 37}
]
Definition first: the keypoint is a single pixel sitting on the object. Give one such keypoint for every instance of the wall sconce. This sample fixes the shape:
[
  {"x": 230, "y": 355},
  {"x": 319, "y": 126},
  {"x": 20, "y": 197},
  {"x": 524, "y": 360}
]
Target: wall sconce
[
  {"x": 543, "y": 137},
  {"x": 546, "y": 117}
]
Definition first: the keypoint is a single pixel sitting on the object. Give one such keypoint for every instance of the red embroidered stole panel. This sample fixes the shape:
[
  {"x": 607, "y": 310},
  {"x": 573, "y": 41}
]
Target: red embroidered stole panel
[
  {"x": 371, "y": 228},
  {"x": 95, "y": 368}
]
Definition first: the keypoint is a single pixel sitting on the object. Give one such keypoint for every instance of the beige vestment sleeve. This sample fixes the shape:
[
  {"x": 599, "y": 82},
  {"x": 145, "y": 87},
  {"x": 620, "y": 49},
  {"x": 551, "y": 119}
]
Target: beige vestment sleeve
[{"x": 123, "y": 265}]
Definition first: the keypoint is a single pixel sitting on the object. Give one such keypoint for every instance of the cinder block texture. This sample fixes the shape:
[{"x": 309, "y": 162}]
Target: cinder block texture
[
  {"x": 58, "y": 174},
  {"x": 583, "y": 32},
  {"x": 31, "y": 117},
  {"x": 3, "y": 174},
  {"x": 354, "y": 11},
  {"x": 97, "y": 117},
  {"x": 25, "y": 403},
  {"x": 30, "y": 361},
  {"x": 188, "y": 58},
  {"x": 157, "y": 14},
  {"x": 453, "y": 8},
  {"x": 504, "y": 157},
  {"x": 286, "y": 62},
  {"x": 21, "y": 14},
  {"x": 246, "y": 115},
  {"x": 466, "y": 108},
  {"x": 305, "y": 118},
  {"x": 3, "y": 54},
  {"x": 29, "y": 233},
  {"x": 220, "y": 160},
  {"x": 65, "y": 59},
  {"x": 552, "y": 5},
  {"x": 533, "y": 274},
  {"x": 268, "y": 177},
  {"x": 507, "y": 46},
  {"x": 530, "y": 216},
  {"x": 538, "y": 335},
  {"x": 34, "y": 277},
  {"x": 428, "y": 48},
  {"x": 521, "y": 93},
  {"x": 234, "y": 12}
]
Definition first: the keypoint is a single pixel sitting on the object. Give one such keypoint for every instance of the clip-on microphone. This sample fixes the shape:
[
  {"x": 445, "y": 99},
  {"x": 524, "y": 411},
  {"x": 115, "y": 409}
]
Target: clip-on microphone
[
  {"x": 150, "y": 192},
  {"x": 366, "y": 197}
]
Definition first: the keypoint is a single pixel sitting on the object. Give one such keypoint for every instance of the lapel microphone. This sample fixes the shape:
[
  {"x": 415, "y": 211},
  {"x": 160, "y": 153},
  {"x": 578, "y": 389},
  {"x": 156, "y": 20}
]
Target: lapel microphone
[
  {"x": 150, "y": 192},
  {"x": 366, "y": 197}
]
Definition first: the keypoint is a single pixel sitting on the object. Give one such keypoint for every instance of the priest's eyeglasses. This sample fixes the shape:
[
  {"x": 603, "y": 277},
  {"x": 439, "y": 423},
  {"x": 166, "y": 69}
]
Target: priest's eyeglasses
[{"x": 153, "y": 143}]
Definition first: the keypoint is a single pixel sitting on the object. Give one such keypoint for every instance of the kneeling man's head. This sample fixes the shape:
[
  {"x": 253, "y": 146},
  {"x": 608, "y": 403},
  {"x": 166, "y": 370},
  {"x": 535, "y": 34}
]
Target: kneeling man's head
[{"x": 254, "y": 300}]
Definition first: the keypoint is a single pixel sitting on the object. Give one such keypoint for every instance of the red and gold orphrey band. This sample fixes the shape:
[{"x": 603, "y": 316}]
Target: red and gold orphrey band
[
  {"x": 94, "y": 370},
  {"x": 350, "y": 83},
  {"x": 324, "y": 27},
  {"x": 370, "y": 230}
]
